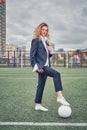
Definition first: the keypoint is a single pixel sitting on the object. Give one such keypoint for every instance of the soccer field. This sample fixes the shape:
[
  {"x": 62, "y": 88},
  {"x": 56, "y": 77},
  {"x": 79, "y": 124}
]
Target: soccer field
[{"x": 17, "y": 92}]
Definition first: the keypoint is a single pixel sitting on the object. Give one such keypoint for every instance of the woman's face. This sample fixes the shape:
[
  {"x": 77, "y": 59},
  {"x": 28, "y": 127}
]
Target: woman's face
[{"x": 44, "y": 31}]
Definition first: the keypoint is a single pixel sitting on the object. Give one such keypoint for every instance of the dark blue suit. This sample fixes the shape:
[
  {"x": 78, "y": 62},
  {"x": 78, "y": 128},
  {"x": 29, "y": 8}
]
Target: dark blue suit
[{"x": 38, "y": 55}]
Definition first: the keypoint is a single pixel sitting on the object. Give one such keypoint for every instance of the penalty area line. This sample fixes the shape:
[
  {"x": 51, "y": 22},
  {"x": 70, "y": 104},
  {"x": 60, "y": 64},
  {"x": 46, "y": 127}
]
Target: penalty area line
[{"x": 41, "y": 124}]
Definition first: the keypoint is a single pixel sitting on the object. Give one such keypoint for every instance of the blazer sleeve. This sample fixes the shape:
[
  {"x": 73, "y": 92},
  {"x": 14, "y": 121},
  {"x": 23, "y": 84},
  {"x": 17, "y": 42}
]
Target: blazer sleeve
[
  {"x": 50, "y": 55},
  {"x": 33, "y": 51}
]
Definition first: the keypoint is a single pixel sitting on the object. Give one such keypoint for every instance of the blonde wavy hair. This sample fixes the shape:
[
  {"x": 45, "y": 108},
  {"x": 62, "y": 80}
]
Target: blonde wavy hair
[{"x": 37, "y": 30}]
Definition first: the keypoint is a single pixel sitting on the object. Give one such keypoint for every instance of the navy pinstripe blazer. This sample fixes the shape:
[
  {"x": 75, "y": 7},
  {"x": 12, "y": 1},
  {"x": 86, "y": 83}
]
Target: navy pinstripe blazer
[{"x": 38, "y": 54}]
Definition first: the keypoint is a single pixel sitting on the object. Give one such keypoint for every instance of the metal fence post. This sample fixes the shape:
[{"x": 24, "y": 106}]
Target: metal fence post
[
  {"x": 14, "y": 58},
  {"x": 8, "y": 58}
]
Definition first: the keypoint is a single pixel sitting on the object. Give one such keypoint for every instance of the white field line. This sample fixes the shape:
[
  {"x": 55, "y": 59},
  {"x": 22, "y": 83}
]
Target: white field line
[
  {"x": 17, "y": 78},
  {"x": 41, "y": 124},
  {"x": 32, "y": 73},
  {"x": 81, "y": 77}
]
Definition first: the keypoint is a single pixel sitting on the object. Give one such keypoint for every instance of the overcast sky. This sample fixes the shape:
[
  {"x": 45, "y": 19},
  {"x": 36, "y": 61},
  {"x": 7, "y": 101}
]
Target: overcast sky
[{"x": 67, "y": 20}]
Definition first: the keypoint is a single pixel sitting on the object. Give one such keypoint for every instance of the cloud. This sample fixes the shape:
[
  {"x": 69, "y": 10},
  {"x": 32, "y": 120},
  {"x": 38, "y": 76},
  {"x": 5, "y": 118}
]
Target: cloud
[{"x": 67, "y": 21}]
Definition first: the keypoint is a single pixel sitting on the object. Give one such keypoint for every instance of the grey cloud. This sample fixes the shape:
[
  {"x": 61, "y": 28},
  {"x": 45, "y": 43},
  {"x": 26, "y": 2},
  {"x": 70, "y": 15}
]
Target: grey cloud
[
  {"x": 84, "y": 13},
  {"x": 67, "y": 20}
]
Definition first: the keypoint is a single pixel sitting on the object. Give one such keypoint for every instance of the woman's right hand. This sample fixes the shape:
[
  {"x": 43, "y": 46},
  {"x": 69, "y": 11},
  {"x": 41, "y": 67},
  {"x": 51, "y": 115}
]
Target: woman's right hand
[{"x": 40, "y": 70}]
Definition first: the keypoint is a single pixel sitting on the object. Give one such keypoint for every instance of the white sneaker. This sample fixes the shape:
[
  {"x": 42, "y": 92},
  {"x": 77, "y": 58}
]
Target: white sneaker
[
  {"x": 63, "y": 101},
  {"x": 39, "y": 107}
]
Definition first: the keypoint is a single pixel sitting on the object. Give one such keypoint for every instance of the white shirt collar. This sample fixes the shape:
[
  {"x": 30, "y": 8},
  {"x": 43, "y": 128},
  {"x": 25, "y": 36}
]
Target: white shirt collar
[{"x": 43, "y": 38}]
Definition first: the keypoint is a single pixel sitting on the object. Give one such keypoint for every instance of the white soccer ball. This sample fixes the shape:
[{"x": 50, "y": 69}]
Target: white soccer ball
[{"x": 64, "y": 111}]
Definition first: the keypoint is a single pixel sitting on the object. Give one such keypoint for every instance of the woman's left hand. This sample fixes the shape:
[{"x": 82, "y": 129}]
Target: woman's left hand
[{"x": 49, "y": 48}]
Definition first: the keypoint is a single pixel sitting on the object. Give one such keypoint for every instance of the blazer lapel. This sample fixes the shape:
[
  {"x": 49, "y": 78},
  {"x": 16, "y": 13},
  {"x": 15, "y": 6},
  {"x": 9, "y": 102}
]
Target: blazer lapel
[{"x": 43, "y": 45}]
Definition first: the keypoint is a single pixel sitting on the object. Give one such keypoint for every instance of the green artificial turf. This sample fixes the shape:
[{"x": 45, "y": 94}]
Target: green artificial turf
[{"x": 17, "y": 92}]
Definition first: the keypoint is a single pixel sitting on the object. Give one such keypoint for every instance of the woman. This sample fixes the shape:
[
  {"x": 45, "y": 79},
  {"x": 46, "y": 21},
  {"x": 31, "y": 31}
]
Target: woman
[{"x": 40, "y": 54}]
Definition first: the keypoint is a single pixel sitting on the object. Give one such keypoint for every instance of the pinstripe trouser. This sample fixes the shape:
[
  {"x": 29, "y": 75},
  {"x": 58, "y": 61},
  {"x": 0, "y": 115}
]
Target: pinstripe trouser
[{"x": 48, "y": 71}]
